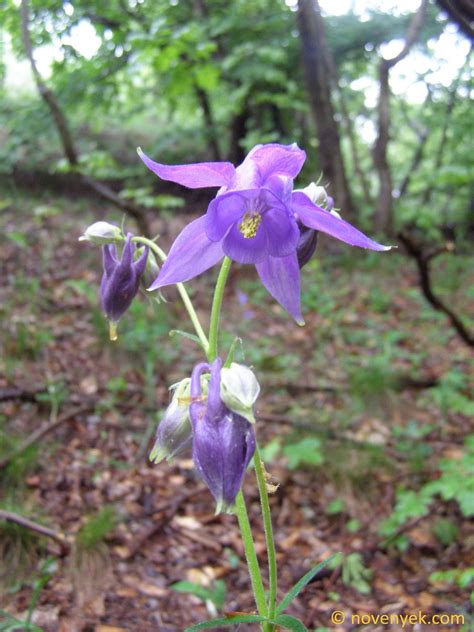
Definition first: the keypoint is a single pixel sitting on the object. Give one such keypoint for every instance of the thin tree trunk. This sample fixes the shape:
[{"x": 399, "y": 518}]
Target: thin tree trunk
[
  {"x": 64, "y": 132},
  {"x": 415, "y": 162},
  {"x": 238, "y": 129},
  {"x": 384, "y": 210},
  {"x": 314, "y": 45},
  {"x": 444, "y": 131},
  {"x": 348, "y": 125},
  {"x": 209, "y": 121}
]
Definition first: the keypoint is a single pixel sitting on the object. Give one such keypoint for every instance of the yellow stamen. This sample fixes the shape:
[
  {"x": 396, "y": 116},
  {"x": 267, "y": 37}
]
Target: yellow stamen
[
  {"x": 113, "y": 335},
  {"x": 249, "y": 224}
]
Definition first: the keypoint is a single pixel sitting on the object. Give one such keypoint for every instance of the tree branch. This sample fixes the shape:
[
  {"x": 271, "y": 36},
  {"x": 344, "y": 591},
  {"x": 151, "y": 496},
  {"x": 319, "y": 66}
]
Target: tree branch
[
  {"x": 422, "y": 259},
  {"x": 41, "y": 432},
  {"x": 59, "y": 537}
]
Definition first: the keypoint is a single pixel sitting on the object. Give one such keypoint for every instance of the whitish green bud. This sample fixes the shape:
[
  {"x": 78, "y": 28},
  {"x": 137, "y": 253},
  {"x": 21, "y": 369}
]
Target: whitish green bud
[
  {"x": 318, "y": 195},
  {"x": 239, "y": 390},
  {"x": 174, "y": 432},
  {"x": 101, "y": 233}
]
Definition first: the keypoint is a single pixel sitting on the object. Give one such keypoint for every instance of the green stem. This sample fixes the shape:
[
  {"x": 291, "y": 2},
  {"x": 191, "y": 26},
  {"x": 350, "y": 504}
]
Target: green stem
[
  {"x": 216, "y": 308},
  {"x": 182, "y": 291},
  {"x": 250, "y": 555},
  {"x": 267, "y": 524}
]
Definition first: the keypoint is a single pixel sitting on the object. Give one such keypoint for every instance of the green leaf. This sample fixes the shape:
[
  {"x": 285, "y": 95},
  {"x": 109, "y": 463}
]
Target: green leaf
[
  {"x": 308, "y": 451},
  {"x": 216, "y": 593},
  {"x": 185, "y": 334},
  {"x": 290, "y": 623},
  {"x": 230, "y": 355},
  {"x": 226, "y": 622},
  {"x": 298, "y": 587}
]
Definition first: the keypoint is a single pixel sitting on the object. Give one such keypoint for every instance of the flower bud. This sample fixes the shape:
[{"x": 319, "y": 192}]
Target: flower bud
[
  {"x": 101, "y": 233},
  {"x": 120, "y": 281},
  {"x": 317, "y": 194},
  {"x": 174, "y": 433},
  {"x": 223, "y": 441},
  {"x": 239, "y": 390},
  {"x": 308, "y": 237},
  {"x": 306, "y": 244}
]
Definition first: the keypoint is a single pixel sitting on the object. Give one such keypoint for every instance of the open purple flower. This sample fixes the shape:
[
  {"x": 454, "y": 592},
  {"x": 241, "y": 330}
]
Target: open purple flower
[
  {"x": 253, "y": 219},
  {"x": 120, "y": 280},
  {"x": 223, "y": 441}
]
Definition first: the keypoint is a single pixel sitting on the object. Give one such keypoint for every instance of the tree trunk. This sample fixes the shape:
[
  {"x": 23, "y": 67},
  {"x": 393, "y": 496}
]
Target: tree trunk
[
  {"x": 238, "y": 129},
  {"x": 317, "y": 73},
  {"x": 384, "y": 210},
  {"x": 211, "y": 131},
  {"x": 62, "y": 126}
]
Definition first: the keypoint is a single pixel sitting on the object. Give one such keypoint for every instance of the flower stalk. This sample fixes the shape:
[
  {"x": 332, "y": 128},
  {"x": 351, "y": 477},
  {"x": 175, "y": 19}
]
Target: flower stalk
[
  {"x": 182, "y": 292},
  {"x": 216, "y": 308},
  {"x": 268, "y": 528}
]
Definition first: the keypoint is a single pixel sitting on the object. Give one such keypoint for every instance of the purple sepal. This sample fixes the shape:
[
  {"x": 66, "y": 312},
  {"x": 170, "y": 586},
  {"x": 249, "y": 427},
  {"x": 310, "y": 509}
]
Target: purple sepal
[
  {"x": 194, "y": 176},
  {"x": 120, "y": 279},
  {"x": 317, "y": 218},
  {"x": 281, "y": 277},
  {"x": 223, "y": 442},
  {"x": 191, "y": 253}
]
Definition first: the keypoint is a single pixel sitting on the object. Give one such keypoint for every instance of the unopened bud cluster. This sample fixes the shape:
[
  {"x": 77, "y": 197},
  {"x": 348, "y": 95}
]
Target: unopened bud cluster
[{"x": 213, "y": 413}]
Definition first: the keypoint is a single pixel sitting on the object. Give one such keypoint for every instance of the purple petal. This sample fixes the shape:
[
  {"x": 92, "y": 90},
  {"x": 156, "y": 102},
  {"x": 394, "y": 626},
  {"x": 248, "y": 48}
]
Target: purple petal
[
  {"x": 140, "y": 264},
  {"x": 246, "y": 249},
  {"x": 191, "y": 254},
  {"x": 317, "y": 218},
  {"x": 280, "y": 185},
  {"x": 127, "y": 253},
  {"x": 199, "y": 369},
  {"x": 109, "y": 258},
  {"x": 222, "y": 449},
  {"x": 277, "y": 159},
  {"x": 214, "y": 404},
  {"x": 282, "y": 232},
  {"x": 225, "y": 210},
  {"x": 281, "y": 277},
  {"x": 193, "y": 176}
]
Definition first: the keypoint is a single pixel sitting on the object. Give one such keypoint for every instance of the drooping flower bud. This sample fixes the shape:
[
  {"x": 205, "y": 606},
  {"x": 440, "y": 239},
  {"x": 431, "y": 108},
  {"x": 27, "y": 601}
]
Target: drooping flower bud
[
  {"x": 101, "y": 233},
  {"x": 239, "y": 390},
  {"x": 308, "y": 237},
  {"x": 120, "y": 281},
  {"x": 306, "y": 245},
  {"x": 223, "y": 441},
  {"x": 174, "y": 432}
]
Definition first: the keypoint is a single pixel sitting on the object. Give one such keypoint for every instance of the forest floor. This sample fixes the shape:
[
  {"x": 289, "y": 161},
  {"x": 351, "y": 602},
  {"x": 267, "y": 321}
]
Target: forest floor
[{"x": 358, "y": 409}]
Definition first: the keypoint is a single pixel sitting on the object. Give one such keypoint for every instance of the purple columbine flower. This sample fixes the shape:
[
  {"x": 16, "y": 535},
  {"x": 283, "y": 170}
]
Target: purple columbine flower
[
  {"x": 223, "y": 441},
  {"x": 253, "y": 219},
  {"x": 120, "y": 281}
]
